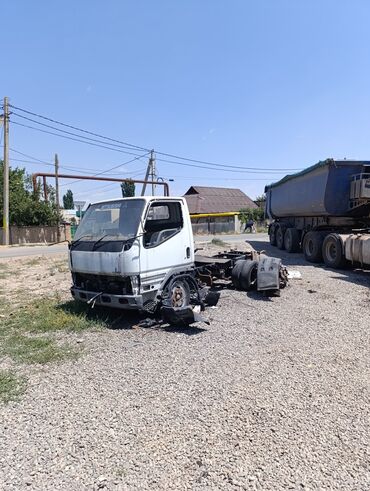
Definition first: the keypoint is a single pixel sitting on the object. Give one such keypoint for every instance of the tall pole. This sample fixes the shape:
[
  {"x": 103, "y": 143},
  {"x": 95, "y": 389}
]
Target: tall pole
[
  {"x": 153, "y": 172},
  {"x": 149, "y": 171},
  {"x": 57, "y": 194},
  {"x": 6, "y": 174}
]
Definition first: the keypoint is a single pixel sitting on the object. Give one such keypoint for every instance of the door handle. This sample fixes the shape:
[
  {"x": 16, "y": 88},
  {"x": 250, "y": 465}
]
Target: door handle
[{"x": 187, "y": 252}]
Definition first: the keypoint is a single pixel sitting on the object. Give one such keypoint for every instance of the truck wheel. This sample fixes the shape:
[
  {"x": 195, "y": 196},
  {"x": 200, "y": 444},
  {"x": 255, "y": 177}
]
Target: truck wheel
[
  {"x": 280, "y": 237},
  {"x": 291, "y": 240},
  {"x": 332, "y": 252},
  {"x": 248, "y": 275},
  {"x": 178, "y": 294},
  {"x": 235, "y": 274},
  {"x": 272, "y": 236},
  {"x": 312, "y": 247}
]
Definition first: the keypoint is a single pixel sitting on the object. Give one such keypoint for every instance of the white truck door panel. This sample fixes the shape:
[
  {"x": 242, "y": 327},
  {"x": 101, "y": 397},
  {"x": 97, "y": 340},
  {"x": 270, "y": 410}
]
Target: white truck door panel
[{"x": 168, "y": 247}]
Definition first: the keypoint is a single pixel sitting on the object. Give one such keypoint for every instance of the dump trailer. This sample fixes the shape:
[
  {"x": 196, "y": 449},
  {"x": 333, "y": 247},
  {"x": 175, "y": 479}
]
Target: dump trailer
[
  {"x": 324, "y": 211},
  {"x": 138, "y": 254}
]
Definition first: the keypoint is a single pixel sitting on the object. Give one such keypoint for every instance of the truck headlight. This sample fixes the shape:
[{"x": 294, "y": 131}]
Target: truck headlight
[{"x": 135, "y": 284}]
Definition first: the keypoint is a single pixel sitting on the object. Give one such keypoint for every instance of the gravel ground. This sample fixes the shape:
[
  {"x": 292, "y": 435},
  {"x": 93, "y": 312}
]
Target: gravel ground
[{"x": 274, "y": 394}]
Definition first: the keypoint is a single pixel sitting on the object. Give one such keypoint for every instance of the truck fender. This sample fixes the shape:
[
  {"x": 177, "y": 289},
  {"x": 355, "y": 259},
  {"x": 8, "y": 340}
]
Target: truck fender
[{"x": 171, "y": 274}]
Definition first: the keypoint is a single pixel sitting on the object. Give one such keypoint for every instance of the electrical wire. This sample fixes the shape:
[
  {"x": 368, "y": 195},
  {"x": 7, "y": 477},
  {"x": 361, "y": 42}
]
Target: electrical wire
[
  {"x": 28, "y": 156},
  {"x": 69, "y": 132},
  {"x": 223, "y": 169},
  {"x": 178, "y": 157},
  {"x": 219, "y": 168},
  {"x": 112, "y": 168},
  {"x": 139, "y": 172},
  {"x": 79, "y": 129},
  {"x": 74, "y": 139}
]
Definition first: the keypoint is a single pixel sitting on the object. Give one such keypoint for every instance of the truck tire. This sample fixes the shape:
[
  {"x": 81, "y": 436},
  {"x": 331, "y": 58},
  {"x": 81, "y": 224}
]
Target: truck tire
[
  {"x": 280, "y": 231},
  {"x": 235, "y": 274},
  {"x": 312, "y": 247},
  {"x": 272, "y": 236},
  {"x": 178, "y": 294},
  {"x": 332, "y": 252},
  {"x": 291, "y": 240},
  {"x": 248, "y": 275}
]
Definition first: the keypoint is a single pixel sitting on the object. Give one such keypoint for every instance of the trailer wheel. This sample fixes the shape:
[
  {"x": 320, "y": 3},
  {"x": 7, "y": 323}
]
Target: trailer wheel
[
  {"x": 332, "y": 252},
  {"x": 312, "y": 247},
  {"x": 291, "y": 240},
  {"x": 248, "y": 275},
  {"x": 280, "y": 236},
  {"x": 272, "y": 235}
]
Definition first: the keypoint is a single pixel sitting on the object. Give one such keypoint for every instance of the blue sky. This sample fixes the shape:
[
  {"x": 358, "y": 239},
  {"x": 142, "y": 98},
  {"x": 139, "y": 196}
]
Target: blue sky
[{"x": 267, "y": 84}]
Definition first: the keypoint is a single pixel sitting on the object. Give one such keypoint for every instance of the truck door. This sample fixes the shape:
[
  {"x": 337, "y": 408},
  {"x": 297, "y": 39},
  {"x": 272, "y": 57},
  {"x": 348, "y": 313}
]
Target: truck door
[{"x": 167, "y": 242}]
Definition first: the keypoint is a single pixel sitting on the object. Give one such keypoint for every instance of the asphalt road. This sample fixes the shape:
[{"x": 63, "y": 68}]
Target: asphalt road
[{"x": 21, "y": 251}]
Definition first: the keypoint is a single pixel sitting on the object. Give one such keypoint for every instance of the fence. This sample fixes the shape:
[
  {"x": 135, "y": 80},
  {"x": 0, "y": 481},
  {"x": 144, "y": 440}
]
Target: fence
[
  {"x": 214, "y": 225},
  {"x": 36, "y": 234}
]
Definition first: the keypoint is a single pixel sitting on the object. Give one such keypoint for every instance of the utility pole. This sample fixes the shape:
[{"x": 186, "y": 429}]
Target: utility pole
[
  {"x": 57, "y": 193},
  {"x": 150, "y": 171},
  {"x": 6, "y": 173}
]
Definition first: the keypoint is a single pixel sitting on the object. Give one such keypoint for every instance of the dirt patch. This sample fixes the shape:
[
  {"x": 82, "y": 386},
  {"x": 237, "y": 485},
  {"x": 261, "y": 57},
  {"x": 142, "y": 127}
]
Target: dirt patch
[{"x": 23, "y": 278}]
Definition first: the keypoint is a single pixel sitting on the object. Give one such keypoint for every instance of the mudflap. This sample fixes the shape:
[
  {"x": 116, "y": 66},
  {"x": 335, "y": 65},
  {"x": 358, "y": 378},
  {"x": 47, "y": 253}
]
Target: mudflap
[
  {"x": 268, "y": 276},
  {"x": 181, "y": 316}
]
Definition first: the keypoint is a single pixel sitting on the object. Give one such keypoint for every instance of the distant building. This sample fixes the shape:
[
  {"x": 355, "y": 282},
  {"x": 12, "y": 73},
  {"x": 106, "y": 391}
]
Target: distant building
[{"x": 216, "y": 210}]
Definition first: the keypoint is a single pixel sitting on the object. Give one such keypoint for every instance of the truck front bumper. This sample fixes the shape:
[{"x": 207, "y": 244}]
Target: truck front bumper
[{"x": 128, "y": 302}]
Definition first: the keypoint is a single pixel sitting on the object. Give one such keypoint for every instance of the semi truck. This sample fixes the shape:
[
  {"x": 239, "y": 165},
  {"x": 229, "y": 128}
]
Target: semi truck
[
  {"x": 324, "y": 211},
  {"x": 139, "y": 254}
]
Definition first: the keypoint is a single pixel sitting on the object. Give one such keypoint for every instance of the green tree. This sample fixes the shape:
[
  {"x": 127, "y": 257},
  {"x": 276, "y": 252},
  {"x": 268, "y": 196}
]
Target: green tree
[
  {"x": 128, "y": 189},
  {"x": 25, "y": 206},
  {"x": 255, "y": 214},
  {"x": 68, "y": 203},
  {"x": 260, "y": 201}
]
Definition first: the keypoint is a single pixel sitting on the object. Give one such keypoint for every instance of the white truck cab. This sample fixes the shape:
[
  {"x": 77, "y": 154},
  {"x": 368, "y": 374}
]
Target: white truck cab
[{"x": 125, "y": 250}]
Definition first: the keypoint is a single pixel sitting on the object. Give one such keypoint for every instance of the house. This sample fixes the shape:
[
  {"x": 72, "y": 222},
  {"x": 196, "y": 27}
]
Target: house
[{"x": 216, "y": 210}]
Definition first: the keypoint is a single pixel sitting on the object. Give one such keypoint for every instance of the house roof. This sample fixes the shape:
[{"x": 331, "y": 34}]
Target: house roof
[{"x": 204, "y": 199}]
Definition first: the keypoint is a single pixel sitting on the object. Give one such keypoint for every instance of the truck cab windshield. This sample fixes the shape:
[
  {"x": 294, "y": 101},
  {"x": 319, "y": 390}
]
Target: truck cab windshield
[{"x": 114, "y": 220}]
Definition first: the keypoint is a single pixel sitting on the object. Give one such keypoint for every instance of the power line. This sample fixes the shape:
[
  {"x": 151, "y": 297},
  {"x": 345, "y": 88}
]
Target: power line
[
  {"x": 26, "y": 155},
  {"x": 68, "y": 132},
  {"x": 221, "y": 178},
  {"x": 112, "y": 185},
  {"x": 30, "y": 163},
  {"x": 187, "y": 159},
  {"x": 223, "y": 169},
  {"x": 74, "y": 139},
  {"x": 78, "y": 129},
  {"x": 112, "y": 168},
  {"x": 220, "y": 167}
]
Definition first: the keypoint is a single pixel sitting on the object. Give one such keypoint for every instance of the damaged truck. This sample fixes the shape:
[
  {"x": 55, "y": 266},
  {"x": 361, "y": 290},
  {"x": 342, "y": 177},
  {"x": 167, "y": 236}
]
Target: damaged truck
[{"x": 138, "y": 253}]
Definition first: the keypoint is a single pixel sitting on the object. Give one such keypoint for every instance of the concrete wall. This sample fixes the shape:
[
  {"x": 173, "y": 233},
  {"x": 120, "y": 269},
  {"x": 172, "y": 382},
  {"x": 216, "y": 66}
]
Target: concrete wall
[
  {"x": 36, "y": 235},
  {"x": 214, "y": 225}
]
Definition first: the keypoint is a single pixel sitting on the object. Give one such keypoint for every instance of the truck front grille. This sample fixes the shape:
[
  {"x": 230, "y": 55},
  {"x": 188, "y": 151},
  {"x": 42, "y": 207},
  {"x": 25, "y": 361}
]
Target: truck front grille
[{"x": 115, "y": 285}]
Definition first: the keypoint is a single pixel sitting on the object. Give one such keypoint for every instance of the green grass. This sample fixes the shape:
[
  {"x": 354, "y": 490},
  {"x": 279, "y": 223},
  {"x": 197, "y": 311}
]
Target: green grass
[
  {"x": 49, "y": 315},
  {"x": 219, "y": 242},
  {"x": 26, "y": 333},
  {"x": 42, "y": 350},
  {"x": 11, "y": 386},
  {"x": 27, "y": 336}
]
